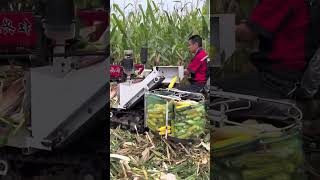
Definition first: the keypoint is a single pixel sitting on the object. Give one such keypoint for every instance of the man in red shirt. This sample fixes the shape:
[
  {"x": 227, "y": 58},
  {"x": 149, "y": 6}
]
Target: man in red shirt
[
  {"x": 198, "y": 68},
  {"x": 286, "y": 45},
  {"x": 282, "y": 28}
]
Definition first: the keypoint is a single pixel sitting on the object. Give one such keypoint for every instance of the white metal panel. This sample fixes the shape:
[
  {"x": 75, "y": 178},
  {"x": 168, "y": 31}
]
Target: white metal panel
[
  {"x": 225, "y": 33},
  {"x": 128, "y": 90},
  {"x": 170, "y": 72},
  {"x": 54, "y": 99}
]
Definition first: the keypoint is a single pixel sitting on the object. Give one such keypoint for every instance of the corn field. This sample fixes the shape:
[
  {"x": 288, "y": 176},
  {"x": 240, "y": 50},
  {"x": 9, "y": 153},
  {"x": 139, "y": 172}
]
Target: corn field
[{"x": 164, "y": 33}]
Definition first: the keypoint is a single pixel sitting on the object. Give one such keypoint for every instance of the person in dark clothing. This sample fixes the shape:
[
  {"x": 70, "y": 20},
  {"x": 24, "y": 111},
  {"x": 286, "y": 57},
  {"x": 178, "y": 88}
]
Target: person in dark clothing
[{"x": 197, "y": 69}]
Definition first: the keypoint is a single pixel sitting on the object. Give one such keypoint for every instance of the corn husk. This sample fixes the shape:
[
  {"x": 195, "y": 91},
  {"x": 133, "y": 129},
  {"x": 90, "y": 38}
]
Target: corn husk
[
  {"x": 155, "y": 158},
  {"x": 12, "y": 100}
]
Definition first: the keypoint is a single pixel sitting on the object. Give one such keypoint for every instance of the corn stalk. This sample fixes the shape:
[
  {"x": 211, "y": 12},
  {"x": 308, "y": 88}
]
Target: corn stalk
[{"x": 164, "y": 33}]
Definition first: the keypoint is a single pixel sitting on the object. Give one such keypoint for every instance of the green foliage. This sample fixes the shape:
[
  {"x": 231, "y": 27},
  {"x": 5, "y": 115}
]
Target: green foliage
[{"x": 164, "y": 33}]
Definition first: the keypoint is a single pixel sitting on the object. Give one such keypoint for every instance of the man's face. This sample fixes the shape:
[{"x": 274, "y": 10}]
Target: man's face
[{"x": 193, "y": 46}]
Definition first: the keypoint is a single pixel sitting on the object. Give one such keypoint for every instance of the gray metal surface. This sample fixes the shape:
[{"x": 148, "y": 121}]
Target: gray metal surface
[
  {"x": 19, "y": 140},
  {"x": 169, "y": 72},
  {"x": 218, "y": 109},
  {"x": 62, "y": 66},
  {"x": 223, "y": 34},
  {"x": 63, "y": 97}
]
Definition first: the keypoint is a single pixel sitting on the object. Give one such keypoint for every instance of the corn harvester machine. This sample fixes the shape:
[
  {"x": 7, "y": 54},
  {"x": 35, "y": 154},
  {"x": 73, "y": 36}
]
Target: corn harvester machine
[{"x": 127, "y": 105}]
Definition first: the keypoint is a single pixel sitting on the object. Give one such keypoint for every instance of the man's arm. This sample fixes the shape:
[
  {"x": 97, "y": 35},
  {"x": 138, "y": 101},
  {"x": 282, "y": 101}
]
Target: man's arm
[
  {"x": 264, "y": 20},
  {"x": 195, "y": 64}
]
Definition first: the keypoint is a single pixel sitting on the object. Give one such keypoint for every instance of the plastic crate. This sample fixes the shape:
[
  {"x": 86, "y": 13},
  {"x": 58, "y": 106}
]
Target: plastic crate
[
  {"x": 163, "y": 108},
  {"x": 158, "y": 110},
  {"x": 190, "y": 120}
]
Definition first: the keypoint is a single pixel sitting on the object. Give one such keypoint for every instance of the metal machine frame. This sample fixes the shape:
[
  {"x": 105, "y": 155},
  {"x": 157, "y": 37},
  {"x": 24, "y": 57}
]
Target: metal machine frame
[
  {"x": 218, "y": 115},
  {"x": 129, "y": 93}
]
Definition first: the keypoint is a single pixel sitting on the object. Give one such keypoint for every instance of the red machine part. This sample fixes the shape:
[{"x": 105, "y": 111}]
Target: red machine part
[
  {"x": 17, "y": 28},
  {"x": 139, "y": 67},
  {"x": 116, "y": 71},
  {"x": 99, "y": 19}
]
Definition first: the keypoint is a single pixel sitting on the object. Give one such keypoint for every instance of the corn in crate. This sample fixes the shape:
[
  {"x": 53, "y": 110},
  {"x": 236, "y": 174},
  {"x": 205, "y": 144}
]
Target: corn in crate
[
  {"x": 190, "y": 119},
  {"x": 175, "y": 113},
  {"x": 256, "y": 147},
  {"x": 158, "y": 110}
]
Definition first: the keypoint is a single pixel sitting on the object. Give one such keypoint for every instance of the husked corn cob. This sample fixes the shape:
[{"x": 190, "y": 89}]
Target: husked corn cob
[{"x": 232, "y": 141}]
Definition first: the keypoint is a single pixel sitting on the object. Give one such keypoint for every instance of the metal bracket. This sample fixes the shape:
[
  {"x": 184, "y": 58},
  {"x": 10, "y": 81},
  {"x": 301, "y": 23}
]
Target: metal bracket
[
  {"x": 37, "y": 143},
  {"x": 62, "y": 66}
]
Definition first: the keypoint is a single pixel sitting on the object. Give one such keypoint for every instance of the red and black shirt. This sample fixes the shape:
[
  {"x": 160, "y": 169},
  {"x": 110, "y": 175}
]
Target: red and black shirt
[
  {"x": 198, "y": 66},
  {"x": 282, "y": 26}
]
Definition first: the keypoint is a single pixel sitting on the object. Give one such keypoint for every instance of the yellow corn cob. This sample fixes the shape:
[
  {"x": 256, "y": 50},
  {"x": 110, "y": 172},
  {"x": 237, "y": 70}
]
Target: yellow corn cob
[
  {"x": 173, "y": 81},
  {"x": 163, "y": 128},
  {"x": 231, "y": 141},
  {"x": 164, "y": 132},
  {"x": 182, "y": 103},
  {"x": 181, "y": 106}
]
